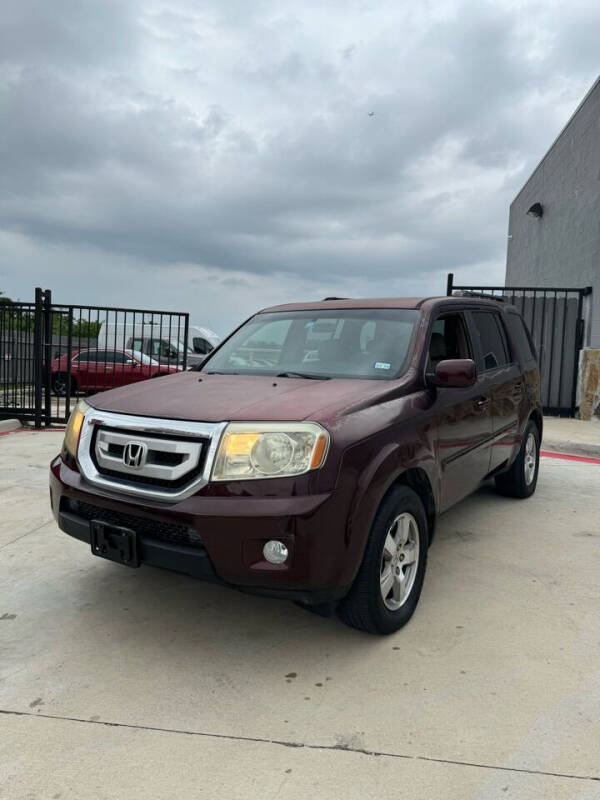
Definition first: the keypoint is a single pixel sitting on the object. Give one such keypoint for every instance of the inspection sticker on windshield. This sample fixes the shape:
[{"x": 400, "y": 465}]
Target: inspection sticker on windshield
[{"x": 382, "y": 365}]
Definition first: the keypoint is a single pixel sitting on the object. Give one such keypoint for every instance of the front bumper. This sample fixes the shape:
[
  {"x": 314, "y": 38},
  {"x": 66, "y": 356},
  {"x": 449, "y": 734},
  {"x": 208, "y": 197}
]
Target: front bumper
[{"x": 220, "y": 539}]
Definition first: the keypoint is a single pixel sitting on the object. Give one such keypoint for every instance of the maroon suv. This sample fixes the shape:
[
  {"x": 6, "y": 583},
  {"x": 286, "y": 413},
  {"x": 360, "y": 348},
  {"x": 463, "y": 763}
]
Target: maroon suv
[{"x": 310, "y": 455}]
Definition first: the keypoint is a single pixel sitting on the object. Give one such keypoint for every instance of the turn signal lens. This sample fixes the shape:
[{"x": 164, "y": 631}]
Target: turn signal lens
[
  {"x": 251, "y": 450},
  {"x": 240, "y": 444},
  {"x": 319, "y": 452},
  {"x": 73, "y": 430}
]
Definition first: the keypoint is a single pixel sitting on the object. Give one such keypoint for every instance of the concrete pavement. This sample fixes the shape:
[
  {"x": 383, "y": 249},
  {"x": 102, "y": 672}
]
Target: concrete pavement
[
  {"x": 575, "y": 436},
  {"x": 118, "y": 683}
]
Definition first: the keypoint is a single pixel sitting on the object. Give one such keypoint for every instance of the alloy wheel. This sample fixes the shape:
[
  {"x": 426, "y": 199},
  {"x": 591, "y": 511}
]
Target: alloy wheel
[
  {"x": 399, "y": 561},
  {"x": 530, "y": 459}
]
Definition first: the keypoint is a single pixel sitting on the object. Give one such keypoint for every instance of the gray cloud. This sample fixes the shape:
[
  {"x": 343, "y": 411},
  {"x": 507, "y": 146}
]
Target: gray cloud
[{"x": 233, "y": 143}]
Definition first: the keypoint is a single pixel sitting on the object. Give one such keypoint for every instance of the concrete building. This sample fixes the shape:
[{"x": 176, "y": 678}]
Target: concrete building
[{"x": 554, "y": 231}]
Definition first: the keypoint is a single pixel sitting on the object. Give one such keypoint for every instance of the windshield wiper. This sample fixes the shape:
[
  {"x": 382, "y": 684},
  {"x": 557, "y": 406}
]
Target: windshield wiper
[
  {"x": 303, "y": 375},
  {"x": 216, "y": 372}
]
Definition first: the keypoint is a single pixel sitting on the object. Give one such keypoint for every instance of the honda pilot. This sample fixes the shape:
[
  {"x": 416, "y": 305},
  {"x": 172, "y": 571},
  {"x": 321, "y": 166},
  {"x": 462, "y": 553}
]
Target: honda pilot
[{"x": 310, "y": 454}]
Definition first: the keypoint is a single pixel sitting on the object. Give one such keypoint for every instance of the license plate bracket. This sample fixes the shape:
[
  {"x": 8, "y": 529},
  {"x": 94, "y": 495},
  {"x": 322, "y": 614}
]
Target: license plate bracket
[{"x": 114, "y": 543}]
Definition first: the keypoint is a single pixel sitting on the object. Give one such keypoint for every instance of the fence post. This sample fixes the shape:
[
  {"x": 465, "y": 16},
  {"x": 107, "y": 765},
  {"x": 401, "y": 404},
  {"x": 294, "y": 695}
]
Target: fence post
[
  {"x": 449, "y": 284},
  {"x": 47, "y": 355},
  {"x": 69, "y": 348},
  {"x": 37, "y": 357},
  {"x": 579, "y": 333},
  {"x": 186, "y": 334}
]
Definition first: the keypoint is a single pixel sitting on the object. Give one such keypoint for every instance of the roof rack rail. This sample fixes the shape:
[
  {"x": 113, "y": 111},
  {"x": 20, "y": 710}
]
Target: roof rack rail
[
  {"x": 468, "y": 293},
  {"x": 333, "y": 298}
]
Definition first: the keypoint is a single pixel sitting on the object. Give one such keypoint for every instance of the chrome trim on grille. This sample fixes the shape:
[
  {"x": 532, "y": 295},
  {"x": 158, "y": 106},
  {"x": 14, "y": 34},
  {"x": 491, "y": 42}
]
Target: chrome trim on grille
[
  {"x": 149, "y": 449},
  {"x": 132, "y": 429}
]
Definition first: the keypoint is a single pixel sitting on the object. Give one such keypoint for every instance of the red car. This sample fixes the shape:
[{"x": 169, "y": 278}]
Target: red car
[{"x": 97, "y": 370}]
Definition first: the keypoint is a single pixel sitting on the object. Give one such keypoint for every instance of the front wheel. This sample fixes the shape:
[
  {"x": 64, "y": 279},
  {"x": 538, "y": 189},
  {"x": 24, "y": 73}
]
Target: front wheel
[
  {"x": 521, "y": 478},
  {"x": 386, "y": 590}
]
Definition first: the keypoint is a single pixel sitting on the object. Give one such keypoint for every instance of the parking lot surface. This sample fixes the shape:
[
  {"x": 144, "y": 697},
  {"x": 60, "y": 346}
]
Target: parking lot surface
[{"x": 118, "y": 683}]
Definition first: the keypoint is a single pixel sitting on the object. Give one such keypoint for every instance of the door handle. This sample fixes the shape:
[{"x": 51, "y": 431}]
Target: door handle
[{"x": 482, "y": 402}]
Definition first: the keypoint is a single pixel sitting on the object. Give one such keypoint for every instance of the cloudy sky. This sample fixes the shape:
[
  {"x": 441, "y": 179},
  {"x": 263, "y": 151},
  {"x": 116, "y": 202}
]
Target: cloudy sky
[{"x": 220, "y": 156}]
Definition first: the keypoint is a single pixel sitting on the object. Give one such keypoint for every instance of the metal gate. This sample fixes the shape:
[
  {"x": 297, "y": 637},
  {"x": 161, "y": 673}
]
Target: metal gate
[
  {"x": 51, "y": 353},
  {"x": 554, "y": 317}
]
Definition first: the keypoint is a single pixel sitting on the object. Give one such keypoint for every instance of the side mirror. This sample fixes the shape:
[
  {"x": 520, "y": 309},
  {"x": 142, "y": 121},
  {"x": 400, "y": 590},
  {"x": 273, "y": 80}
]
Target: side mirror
[{"x": 455, "y": 373}]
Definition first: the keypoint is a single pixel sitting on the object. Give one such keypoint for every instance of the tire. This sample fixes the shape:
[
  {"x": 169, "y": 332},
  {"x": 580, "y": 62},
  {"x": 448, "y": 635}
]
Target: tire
[
  {"x": 521, "y": 479},
  {"x": 400, "y": 515},
  {"x": 60, "y": 383}
]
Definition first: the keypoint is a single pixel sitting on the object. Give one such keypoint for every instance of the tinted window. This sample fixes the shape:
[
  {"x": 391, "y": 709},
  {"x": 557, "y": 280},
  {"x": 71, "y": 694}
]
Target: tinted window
[
  {"x": 159, "y": 349},
  {"x": 448, "y": 340},
  {"x": 353, "y": 343},
  {"x": 116, "y": 357},
  {"x": 91, "y": 355},
  {"x": 201, "y": 345},
  {"x": 522, "y": 338},
  {"x": 492, "y": 344},
  {"x": 109, "y": 357}
]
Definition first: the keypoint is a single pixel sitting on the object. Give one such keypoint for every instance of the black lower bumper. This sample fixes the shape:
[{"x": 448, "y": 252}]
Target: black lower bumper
[
  {"x": 195, "y": 561},
  {"x": 192, "y": 561}
]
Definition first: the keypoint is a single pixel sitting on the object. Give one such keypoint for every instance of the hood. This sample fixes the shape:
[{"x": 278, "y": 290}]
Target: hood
[{"x": 200, "y": 397}]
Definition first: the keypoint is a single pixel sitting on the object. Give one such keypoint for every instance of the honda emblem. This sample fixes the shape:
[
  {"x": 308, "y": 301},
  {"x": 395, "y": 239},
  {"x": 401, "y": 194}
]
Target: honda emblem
[{"x": 134, "y": 454}]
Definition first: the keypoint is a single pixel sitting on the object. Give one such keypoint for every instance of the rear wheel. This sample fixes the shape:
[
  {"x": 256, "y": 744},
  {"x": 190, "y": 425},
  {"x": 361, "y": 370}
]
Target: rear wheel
[
  {"x": 386, "y": 590},
  {"x": 521, "y": 478},
  {"x": 60, "y": 384}
]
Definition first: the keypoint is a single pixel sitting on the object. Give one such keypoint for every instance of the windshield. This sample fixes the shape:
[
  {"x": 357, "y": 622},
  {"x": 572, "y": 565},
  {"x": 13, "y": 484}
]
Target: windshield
[{"x": 347, "y": 343}]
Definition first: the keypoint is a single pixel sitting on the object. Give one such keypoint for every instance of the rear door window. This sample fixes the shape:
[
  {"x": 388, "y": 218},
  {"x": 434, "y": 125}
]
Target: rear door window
[
  {"x": 116, "y": 357},
  {"x": 90, "y": 355},
  {"x": 489, "y": 334},
  {"x": 522, "y": 337}
]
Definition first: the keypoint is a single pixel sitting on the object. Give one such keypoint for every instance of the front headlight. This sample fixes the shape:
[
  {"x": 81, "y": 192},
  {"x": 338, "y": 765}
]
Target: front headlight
[
  {"x": 73, "y": 429},
  {"x": 250, "y": 450}
]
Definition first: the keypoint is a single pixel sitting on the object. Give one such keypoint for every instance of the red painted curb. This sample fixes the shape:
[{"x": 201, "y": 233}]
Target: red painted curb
[
  {"x": 33, "y": 430},
  {"x": 567, "y": 457}
]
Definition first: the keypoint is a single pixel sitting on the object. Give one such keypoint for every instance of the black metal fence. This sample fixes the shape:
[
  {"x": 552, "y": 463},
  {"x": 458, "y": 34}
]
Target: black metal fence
[
  {"x": 554, "y": 316},
  {"x": 50, "y": 354}
]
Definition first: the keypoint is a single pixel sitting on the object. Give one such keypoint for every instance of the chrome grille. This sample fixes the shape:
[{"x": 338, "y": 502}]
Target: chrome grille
[
  {"x": 150, "y": 457},
  {"x": 159, "y": 458}
]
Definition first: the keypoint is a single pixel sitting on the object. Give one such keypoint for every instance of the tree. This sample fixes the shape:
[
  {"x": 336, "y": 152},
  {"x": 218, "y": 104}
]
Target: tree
[{"x": 14, "y": 317}]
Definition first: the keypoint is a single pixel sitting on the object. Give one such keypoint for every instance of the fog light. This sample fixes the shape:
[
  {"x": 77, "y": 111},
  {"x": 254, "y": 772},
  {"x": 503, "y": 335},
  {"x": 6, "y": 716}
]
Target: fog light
[{"x": 275, "y": 552}]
